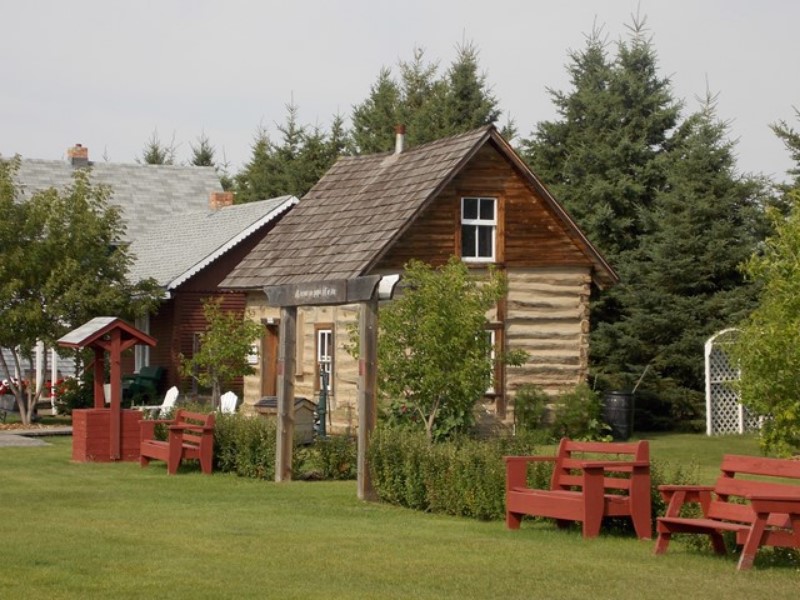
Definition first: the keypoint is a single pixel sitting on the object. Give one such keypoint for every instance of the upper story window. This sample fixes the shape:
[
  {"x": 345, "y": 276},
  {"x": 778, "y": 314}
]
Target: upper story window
[{"x": 478, "y": 229}]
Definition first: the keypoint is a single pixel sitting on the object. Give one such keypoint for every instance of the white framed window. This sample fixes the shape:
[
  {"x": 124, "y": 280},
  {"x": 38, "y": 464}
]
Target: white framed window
[
  {"x": 478, "y": 229},
  {"x": 324, "y": 356},
  {"x": 141, "y": 352}
]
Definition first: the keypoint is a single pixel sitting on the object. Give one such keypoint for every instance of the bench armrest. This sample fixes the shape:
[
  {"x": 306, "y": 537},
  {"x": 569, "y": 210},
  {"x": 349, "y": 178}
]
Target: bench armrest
[
  {"x": 676, "y": 496},
  {"x": 190, "y": 427},
  {"x": 775, "y": 503},
  {"x": 685, "y": 488}
]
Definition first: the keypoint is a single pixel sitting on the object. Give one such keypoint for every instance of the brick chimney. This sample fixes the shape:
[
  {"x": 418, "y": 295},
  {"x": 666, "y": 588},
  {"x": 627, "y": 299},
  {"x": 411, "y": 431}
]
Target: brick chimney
[
  {"x": 217, "y": 200},
  {"x": 400, "y": 138},
  {"x": 78, "y": 156}
]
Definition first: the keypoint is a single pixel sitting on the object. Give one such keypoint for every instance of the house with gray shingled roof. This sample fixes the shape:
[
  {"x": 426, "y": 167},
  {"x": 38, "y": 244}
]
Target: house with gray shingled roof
[
  {"x": 183, "y": 231},
  {"x": 469, "y": 195}
]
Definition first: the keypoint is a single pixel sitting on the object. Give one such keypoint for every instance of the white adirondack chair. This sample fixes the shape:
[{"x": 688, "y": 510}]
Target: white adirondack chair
[
  {"x": 227, "y": 403},
  {"x": 170, "y": 398}
]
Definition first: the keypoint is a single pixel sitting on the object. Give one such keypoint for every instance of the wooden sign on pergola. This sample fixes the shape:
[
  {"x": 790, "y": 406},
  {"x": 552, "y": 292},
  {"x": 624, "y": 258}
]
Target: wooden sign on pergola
[
  {"x": 112, "y": 335},
  {"x": 366, "y": 291}
]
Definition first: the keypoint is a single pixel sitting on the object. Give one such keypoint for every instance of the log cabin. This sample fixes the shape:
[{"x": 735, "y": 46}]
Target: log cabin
[{"x": 469, "y": 195}]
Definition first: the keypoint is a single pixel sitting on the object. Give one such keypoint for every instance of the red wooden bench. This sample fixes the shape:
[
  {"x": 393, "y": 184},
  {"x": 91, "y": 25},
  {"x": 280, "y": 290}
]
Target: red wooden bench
[
  {"x": 761, "y": 512},
  {"x": 591, "y": 480},
  {"x": 191, "y": 436}
]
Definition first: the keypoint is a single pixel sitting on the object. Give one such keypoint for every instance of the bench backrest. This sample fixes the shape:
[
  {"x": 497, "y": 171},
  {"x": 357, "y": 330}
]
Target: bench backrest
[
  {"x": 772, "y": 476},
  {"x": 571, "y": 453},
  {"x": 185, "y": 417}
]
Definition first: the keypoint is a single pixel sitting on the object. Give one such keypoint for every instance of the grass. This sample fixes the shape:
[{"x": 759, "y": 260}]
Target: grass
[{"x": 101, "y": 530}]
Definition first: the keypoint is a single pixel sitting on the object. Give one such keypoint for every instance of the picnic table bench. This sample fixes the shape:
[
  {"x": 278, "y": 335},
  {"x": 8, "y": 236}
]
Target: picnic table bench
[
  {"x": 590, "y": 480},
  {"x": 761, "y": 512},
  {"x": 191, "y": 436}
]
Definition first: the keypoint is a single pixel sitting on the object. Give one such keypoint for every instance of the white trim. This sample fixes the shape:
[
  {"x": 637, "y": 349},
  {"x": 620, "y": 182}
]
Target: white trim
[
  {"x": 202, "y": 264},
  {"x": 141, "y": 352},
  {"x": 476, "y": 224}
]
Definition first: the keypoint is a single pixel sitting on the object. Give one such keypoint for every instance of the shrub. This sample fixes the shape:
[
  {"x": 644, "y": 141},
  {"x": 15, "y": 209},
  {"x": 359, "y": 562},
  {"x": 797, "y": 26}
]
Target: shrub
[
  {"x": 245, "y": 445},
  {"x": 462, "y": 476},
  {"x": 530, "y": 407},
  {"x": 578, "y": 415},
  {"x": 74, "y": 394},
  {"x": 466, "y": 477},
  {"x": 336, "y": 457}
]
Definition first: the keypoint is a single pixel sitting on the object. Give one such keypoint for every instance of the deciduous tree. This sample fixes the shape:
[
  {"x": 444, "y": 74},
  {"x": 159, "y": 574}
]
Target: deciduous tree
[
  {"x": 224, "y": 349},
  {"x": 62, "y": 263},
  {"x": 434, "y": 359}
]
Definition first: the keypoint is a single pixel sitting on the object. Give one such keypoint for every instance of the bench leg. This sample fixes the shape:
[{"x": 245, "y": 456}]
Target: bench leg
[
  {"x": 144, "y": 460},
  {"x": 642, "y": 525},
  {"x": 662, "y": 543},
  {"x": 513, "y": 520},
  {"x": 175, "y": 454},
  {"x": 718, "y": 543},
  {"x": 752, "y": 544}
]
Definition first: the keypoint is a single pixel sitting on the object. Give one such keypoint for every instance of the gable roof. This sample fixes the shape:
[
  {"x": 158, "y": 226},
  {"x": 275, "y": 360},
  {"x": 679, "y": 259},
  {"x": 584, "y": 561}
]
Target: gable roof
[
  {"x": 179, "y": 247},
  {"x": 363, "y": 204},
  {"x": 147, "y": 194}
]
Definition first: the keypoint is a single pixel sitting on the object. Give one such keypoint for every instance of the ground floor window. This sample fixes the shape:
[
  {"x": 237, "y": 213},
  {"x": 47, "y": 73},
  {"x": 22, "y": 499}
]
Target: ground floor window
[{"x": 324, "y": 357}]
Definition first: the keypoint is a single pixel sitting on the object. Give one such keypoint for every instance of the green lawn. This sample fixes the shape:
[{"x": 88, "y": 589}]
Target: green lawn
[{"x": 114, "y": 530}]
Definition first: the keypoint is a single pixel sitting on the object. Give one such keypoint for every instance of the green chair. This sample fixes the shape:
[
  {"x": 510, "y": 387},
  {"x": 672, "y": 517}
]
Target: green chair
[{"x": 143, "y": 384}]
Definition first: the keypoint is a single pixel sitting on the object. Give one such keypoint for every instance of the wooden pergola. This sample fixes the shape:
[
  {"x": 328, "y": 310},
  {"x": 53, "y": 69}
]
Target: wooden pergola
[
  {"x": 112, "y": 335},
  {"x": 366, "y": 291}
]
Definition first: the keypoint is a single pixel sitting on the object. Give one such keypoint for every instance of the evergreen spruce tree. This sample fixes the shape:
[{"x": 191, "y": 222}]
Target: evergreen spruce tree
[
  {"x": 157, "y": 153},
  {"x": 685, "y": 283},
  {"x": 373, "y": 121},
  {"x": 791, "y": 139},
  {"x": 293, "y": 165},
  {"x": 469, "y": 102},
  {"x": 203, "y": 153},
  {"x": 430, "y": 106},
  {"x": 256, "y": 180},
  {"x": 664, "y": 205}
]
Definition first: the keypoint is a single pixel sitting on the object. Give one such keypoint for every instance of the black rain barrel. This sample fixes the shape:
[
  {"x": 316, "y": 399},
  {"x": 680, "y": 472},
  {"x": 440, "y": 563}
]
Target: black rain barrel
[{"x": 618, "y": 414}]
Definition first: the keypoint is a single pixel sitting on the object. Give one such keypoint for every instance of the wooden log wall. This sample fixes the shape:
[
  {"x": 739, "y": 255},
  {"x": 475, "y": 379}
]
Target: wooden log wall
[{"x": 548, "y": 316}]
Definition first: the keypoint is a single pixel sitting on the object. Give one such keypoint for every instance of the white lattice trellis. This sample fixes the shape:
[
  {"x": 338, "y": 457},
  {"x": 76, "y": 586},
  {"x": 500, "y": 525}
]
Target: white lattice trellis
[{"x": 724, "y": 412}]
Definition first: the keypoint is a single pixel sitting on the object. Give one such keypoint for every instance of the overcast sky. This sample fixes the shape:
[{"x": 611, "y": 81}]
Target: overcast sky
[{"x": 108, "y": 73}]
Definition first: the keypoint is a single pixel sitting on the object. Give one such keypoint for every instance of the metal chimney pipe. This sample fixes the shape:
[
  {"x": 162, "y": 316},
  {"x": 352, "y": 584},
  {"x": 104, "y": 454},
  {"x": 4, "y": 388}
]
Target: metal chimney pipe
[{"x": 400, "y": 138}]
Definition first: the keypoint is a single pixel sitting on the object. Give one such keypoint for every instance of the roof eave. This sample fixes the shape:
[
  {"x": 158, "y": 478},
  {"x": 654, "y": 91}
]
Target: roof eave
[{"x": 222, "y": 250}]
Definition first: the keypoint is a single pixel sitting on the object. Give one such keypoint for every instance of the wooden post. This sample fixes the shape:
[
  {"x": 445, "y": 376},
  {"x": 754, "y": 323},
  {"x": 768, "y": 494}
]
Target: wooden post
[
  {"x": 367, "y": 386},
  {"x": 285, "y": 425},
  {"x": 116, "y": 394},
  {"x": 99, "y": 377}
]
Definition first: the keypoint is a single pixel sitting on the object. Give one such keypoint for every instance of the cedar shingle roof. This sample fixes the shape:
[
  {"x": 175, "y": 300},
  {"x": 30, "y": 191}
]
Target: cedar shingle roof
[{"x": 351, "y": 217}]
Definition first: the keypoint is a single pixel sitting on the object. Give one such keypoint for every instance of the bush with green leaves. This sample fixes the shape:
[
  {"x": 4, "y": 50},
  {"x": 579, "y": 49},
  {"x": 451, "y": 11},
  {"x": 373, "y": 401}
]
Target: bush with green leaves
[
  {"x": 461, "y": 476},
  {"x": 335, "y": 456},
  {"x": 75, "y": 393},
  {"x": 466, "y": 477},
  {"x": 530, "y": 408},
  {"x": 434, "y": 359},
  {"x": 767, "y": 349},
  {"x": 245, "y": 445},
  {"x": 577, "y": 415}
]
